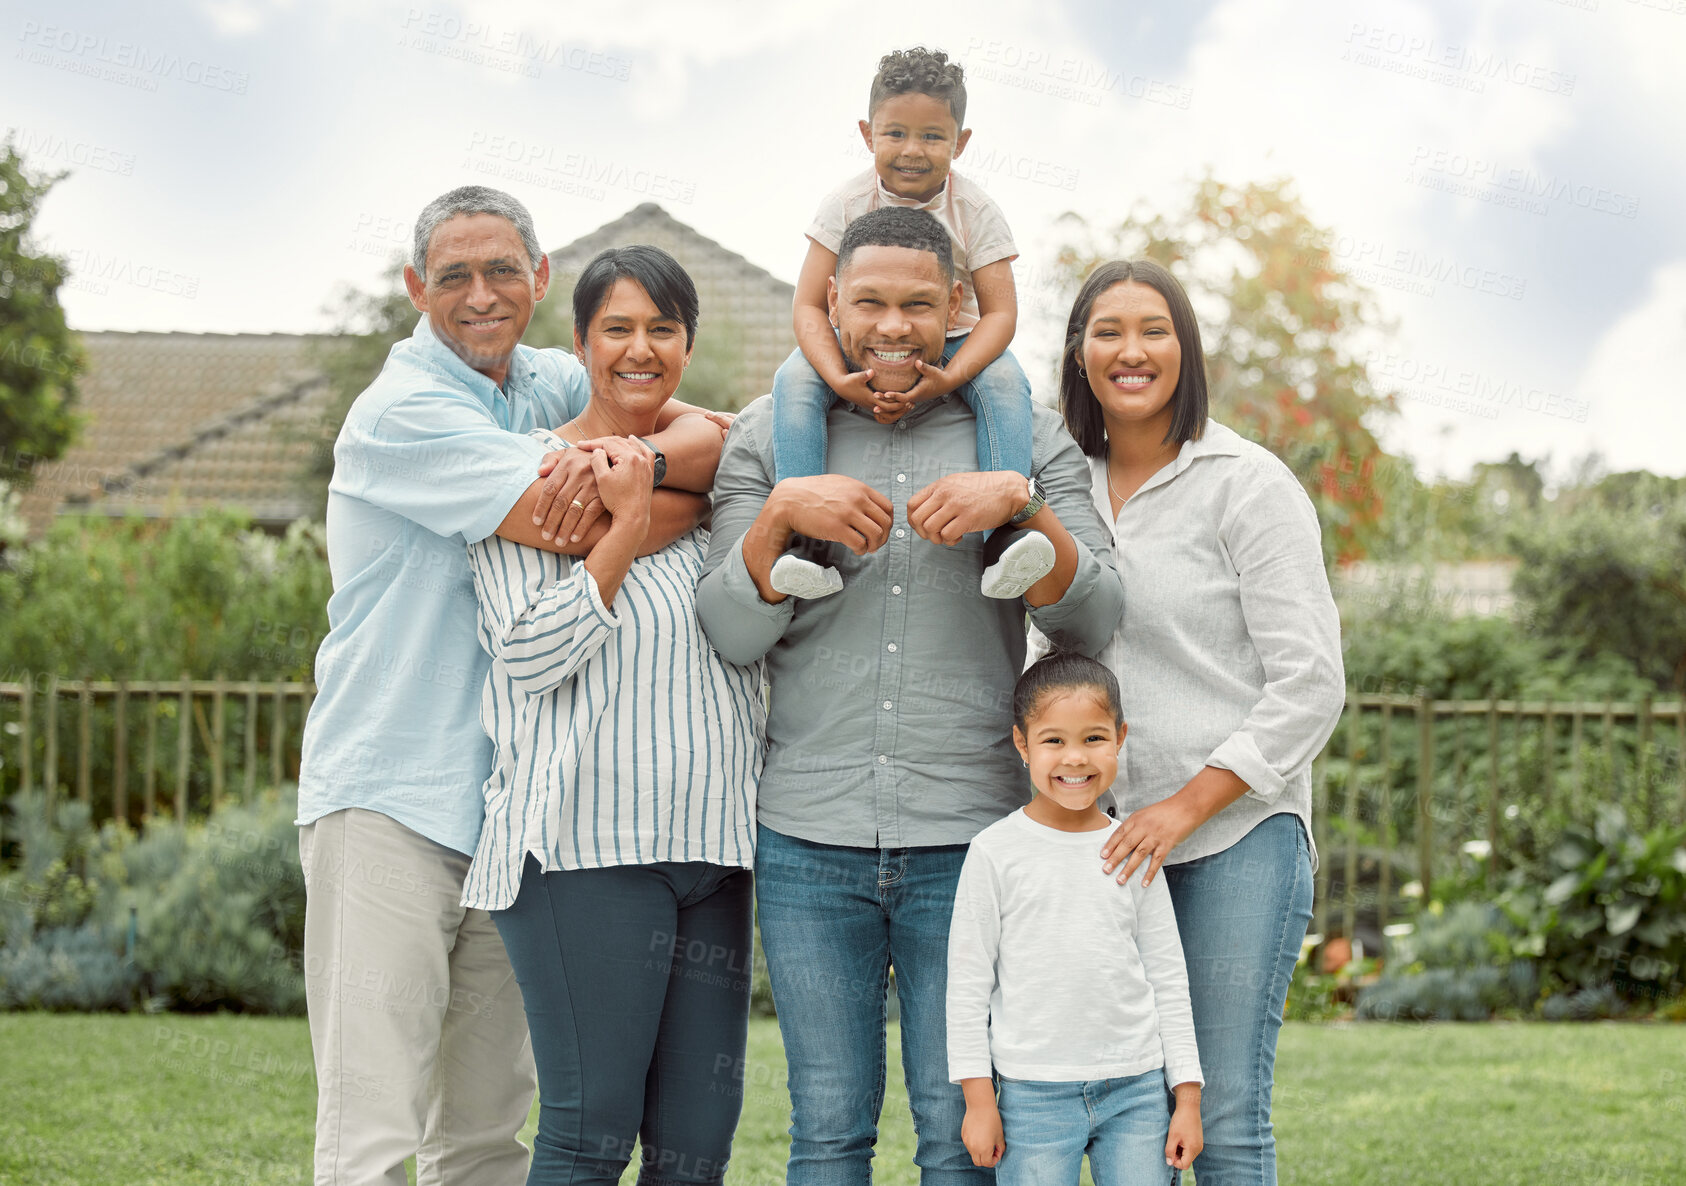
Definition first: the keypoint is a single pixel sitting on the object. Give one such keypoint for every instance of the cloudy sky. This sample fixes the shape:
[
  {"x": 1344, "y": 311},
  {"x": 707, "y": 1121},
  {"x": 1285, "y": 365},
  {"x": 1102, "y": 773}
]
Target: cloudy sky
[{"x": 1507, "y": 176}]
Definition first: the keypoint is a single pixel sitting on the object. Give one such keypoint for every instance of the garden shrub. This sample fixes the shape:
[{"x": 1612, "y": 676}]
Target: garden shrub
[
  {"x": 217, "y": 909},
  {"x": 1455, "y": 965},
  {"x": 1589, "y": 924},
  {"x": 221, "y": 929}
]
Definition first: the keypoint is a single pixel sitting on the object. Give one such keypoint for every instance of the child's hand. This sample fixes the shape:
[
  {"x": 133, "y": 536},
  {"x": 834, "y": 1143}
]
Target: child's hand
[
  {"x": 933, "y": 381},
  {"x": 981, "y": 1131},
  {"x": 853, "y": 387},
  {"x": 1186, "y": 1139}
]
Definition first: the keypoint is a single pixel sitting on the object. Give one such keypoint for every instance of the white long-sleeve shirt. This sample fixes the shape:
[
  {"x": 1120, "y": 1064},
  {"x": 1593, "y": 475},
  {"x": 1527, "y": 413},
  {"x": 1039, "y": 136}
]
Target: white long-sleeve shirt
[
  {"x": 1058, "y": 974},
  {"x": 1229, "y": 653}
]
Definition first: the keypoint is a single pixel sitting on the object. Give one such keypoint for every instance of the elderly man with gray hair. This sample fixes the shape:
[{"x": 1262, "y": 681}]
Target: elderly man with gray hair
[{"x": 416, "y": 1021}]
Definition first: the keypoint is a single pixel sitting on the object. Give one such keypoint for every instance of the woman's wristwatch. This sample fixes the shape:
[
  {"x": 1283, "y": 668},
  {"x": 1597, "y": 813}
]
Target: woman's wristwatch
[
  {"x": 661, "y": 461},
  {"x": 1038, "y": 500}
]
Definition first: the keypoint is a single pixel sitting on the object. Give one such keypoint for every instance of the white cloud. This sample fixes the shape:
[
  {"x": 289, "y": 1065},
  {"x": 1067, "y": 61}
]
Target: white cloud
[
  {"x": 1633, "y": 378},
  {"x": 240, "y": 18}
]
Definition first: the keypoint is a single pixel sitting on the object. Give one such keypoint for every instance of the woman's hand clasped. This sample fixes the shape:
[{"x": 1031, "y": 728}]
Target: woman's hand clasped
[
  {"x": 1148, "y": 835},
  {"x": 625, "y": 473}
]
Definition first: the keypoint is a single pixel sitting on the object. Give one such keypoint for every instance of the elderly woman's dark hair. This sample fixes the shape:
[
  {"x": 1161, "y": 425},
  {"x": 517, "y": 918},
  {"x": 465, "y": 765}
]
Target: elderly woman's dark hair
[
  {"x": 1078, "y": 404},
  {"x": 660, "y": 275},
  {"x": 1064, "y": 671}
]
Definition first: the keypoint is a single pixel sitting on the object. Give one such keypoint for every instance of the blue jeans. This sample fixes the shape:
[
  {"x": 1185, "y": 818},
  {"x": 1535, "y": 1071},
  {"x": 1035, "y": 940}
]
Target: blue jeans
[
  {"x": 636, "y": 982},
  {"x": 833, "y": 922},
  {"x": 1121, "y": 1123},
  {"x": 999, "y": 397},
  {"x": 1241, "y": 913}
]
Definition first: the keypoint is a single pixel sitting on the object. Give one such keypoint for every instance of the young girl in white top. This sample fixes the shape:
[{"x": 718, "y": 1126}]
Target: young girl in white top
[{"x": 1067, "y": 986}]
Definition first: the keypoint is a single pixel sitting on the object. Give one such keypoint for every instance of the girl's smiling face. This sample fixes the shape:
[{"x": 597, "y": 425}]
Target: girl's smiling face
[{"x": 1070, "y": 743}]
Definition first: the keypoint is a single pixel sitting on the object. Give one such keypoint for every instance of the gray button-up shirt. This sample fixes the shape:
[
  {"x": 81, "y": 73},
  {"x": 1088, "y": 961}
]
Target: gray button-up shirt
[{"x": 891, "y": 712}]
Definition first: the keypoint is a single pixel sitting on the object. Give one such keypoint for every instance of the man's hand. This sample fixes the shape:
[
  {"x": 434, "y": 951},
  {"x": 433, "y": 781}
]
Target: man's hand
[
  {"x": 829, "y": 506},
  {"x": 568, "y": 504},
  {"x": 960, "y": 503},
  {"x": 837, "y": 508}
]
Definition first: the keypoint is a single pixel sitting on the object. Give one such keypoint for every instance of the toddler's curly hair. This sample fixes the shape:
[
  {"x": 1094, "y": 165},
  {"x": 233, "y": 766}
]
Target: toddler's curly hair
[{"x": 920, "y": 71}]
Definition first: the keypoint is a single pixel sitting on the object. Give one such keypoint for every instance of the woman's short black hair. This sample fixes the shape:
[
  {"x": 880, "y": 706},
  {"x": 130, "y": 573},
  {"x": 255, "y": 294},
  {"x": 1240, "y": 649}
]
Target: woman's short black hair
[
  {"x": 668, "y": 285},
  {"x": 1065, "y": 671},
  {"x": 1078, "y": 404}
]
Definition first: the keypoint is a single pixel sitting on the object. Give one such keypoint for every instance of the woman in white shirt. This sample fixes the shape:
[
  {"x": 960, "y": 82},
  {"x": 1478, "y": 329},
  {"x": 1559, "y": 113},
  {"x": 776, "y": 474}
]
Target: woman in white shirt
[
  {"x": 618, "y": 840},
  {"x": 1229, "y": 662}
]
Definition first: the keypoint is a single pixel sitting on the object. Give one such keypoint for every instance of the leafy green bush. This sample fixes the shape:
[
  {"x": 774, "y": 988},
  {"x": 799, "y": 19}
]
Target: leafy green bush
[
  {"x": 1455, "y": 965},
  {"x": 1604, "y": 908},
  {"x": 66, "y": 969},
  {"x": 217, "y": 910},
  {"x": 1591, "y": 923},
  {"x": 137, "y": 599},
  {"x": 221, "y": 928}
]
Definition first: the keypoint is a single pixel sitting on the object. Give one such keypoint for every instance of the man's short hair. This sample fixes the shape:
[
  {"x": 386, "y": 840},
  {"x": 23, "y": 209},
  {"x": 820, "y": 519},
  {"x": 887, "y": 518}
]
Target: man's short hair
[
  {"x": 898, "y": 226},
  {"x": 920, "y": 71},
  {"x": 472, "y": 199}
]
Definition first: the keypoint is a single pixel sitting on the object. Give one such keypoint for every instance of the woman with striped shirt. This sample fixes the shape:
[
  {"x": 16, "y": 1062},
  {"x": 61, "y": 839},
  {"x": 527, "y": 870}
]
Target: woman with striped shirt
[{"x": 618, "y": 840}]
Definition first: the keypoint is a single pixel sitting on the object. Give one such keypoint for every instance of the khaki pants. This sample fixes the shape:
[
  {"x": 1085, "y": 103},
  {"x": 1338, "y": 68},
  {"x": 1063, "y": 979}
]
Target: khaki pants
[{"x": 416, "y": 1021}]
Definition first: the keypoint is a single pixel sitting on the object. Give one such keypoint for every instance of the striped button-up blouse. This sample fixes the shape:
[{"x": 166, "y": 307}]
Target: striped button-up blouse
[{"x": 619, "y": 736}]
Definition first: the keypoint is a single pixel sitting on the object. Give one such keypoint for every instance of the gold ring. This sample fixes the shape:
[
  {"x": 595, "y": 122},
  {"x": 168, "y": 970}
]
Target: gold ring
[{"x": 577, "y": 505}]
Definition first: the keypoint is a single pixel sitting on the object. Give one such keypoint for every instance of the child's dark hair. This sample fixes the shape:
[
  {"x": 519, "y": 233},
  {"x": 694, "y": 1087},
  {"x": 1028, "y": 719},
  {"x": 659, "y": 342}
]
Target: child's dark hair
[
  {"x": 920, "y": 71},
  {"x": 1064, "y": 671}
]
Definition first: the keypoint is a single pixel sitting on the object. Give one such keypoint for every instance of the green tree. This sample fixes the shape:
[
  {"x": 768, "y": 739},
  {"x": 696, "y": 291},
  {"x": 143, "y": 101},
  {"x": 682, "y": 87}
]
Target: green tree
[
  {"x": 39, "y": 356},
  {"x": 1280, "y": 322},
  {"x": 1605, "y": 569}
]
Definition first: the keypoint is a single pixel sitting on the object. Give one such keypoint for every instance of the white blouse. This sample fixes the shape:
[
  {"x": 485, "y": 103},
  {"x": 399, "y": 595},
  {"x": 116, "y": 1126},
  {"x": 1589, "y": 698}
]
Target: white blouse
[{"x": 1229, "y": 654}]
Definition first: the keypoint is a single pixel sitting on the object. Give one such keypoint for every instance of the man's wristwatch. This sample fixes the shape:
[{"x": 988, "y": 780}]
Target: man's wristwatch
[
  {"x": 661, "y": 461},
  {"x": 1038, "y": 500}
]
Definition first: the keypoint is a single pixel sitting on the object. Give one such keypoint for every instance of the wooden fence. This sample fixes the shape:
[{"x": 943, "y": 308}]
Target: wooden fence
[
  {"x": 202, "y": 706},
  {"x": 1504, "y": 754},
  {"x": 1402, "y": 788}
]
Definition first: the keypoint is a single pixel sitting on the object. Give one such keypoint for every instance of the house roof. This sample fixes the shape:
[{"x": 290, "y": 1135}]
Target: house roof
[{"x": 175, "y": 423}]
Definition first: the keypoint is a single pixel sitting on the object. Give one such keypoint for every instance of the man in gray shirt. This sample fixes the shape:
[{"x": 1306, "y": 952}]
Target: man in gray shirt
[{"x": 888, "y": 733}]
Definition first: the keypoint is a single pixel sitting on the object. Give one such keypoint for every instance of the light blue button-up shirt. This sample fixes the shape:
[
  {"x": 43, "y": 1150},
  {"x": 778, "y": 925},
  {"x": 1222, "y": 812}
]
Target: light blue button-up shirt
[{"x": 431, "y": 458}]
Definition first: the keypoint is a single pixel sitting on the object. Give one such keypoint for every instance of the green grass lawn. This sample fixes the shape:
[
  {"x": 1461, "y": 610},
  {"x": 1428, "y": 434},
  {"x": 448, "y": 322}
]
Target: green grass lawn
[{"x": 212, "y": 1101}]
